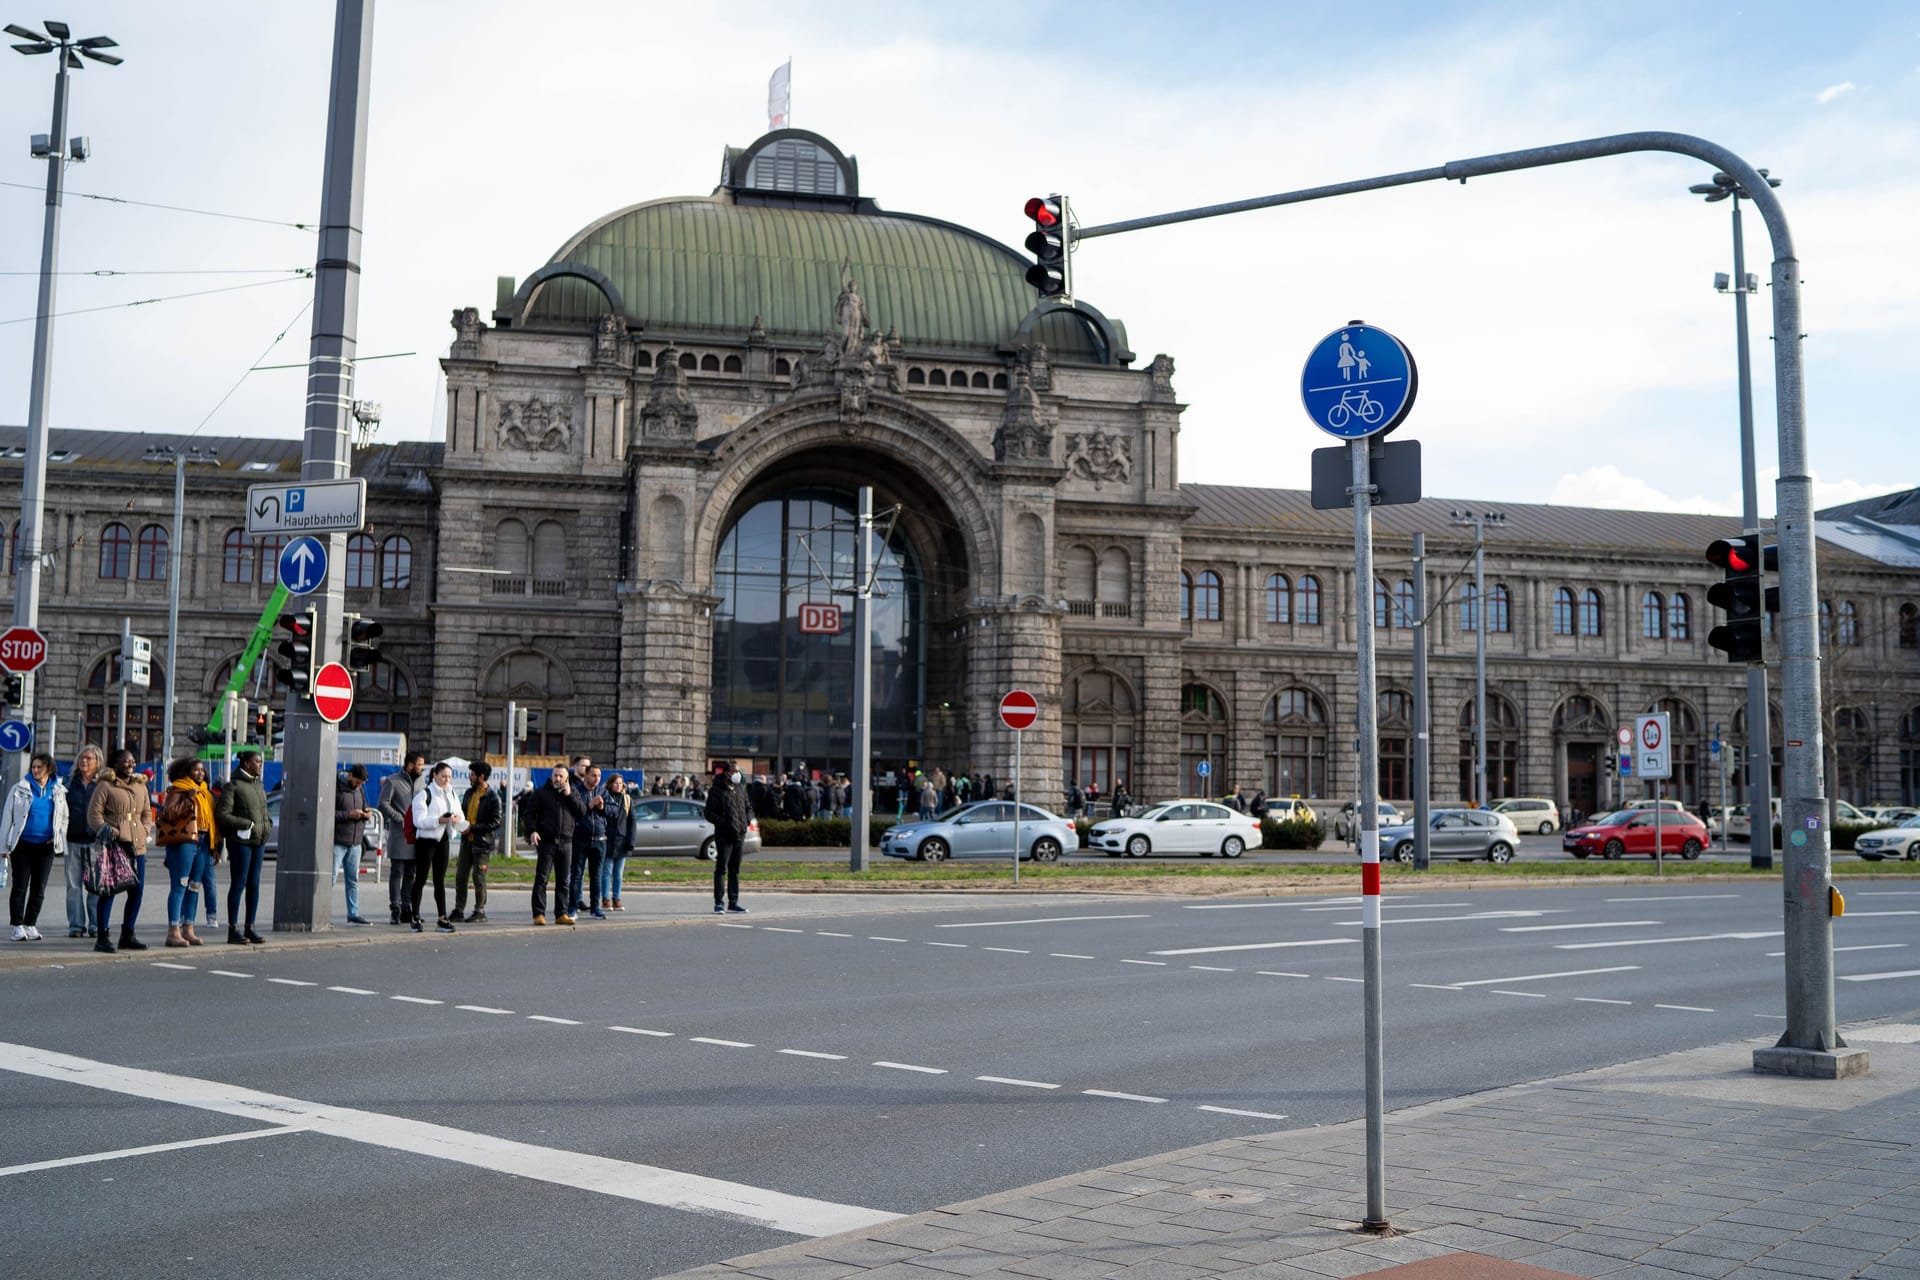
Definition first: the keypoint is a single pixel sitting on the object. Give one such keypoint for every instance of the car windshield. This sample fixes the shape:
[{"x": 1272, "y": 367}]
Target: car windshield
[
  {"x": 953, "y": 813},
  {"x": 1607, "y": 819},
  {"x": 1154, "y": 812},
  {"x": 1911, "y": 822}
]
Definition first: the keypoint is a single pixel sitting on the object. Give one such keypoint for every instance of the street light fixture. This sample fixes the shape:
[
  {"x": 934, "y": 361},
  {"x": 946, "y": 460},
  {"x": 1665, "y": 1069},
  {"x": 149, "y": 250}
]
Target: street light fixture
[
  {"x": 1478, "y": 522},
  {"x": 1759, "y": 732},
  {"x": 33, "y": 481}
]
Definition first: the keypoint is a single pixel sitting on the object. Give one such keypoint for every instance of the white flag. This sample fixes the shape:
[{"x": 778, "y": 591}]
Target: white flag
[{"x": 779, "y": 102}]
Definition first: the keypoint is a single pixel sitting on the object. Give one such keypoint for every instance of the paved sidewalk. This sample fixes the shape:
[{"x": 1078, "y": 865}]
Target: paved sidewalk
[{"x": 1686, "y": 1165}]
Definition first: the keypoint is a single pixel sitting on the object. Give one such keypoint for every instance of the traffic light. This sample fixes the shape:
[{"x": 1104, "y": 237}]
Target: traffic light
[
  {"x": 1051, "y": 273},
  {"x": 1741, "y": 595},
  {"x": 15, "y": 691},
  {"x": 520, "y": 724},
  {"x": 296, "y": 656},
  {"x": 273, "y": 739},
  {"x": 363, "y": 642}
]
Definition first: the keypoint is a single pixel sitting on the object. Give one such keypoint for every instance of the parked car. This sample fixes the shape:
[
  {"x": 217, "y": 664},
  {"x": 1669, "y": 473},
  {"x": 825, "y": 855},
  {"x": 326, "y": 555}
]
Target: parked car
[
  {"x": 1902, "y": 841},
  {"x": 1292, "y": 809},
  {"x": 1455, "y": 833},
  {"x": 1740, "y": 826},
  {"x": 1531, "y": 813},
  {"x": 1181, "y": 826},
  {"x": 1890, "y": 815},
  {"x": 983, "y": 829},
  {"x": 1343, "y": 826},
  {"x": 1613, "y": 835},
  {"x": 1718, "y": 817},
  {"x": 679, "y": 828},
  {"x": 1667, "y": 803}
]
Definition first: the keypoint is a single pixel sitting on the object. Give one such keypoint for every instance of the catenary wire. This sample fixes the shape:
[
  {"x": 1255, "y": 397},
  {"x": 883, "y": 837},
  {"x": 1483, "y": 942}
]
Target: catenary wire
[
  {"x": 171, "y": 208},
  {"x": 172, "y": 297}
]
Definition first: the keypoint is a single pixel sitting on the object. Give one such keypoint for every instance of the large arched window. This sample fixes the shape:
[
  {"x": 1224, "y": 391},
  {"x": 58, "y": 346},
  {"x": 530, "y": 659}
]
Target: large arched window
[
  {"x": 1206, "y": 596},
  {"x": 1653, "y": 616},
  {"x": 362, "y": 558},
  {"x": 146, "y": 710},
  {"x": 1306, "y": 605},
  {"x": 1393, "y": 606},
  {"x": 1680, "y": 617},
  {"x": 396, "y": 564},
  {"x": 150, "y": 561},
  {"x": 116, "y": 551},
  {"x": 1076, "y": 579},
  {"x": 1503, "y": 749},
  {"x": 1469, "y": 609},
  {"x": 1592, "y": 623},
  {"x": 1115, "y": 584},
  {"x": 382, "y": 702},
  {"x": 1910, "y": 757},
  {"x": 1186, "y": 596},
  {"x": 1096, "y": 744},
  {"x": 1382, "y": 604},
  {"x": 1826, "y": 622},
  {"x": 1849, "y": 623},
  {"x": 268, "y": 554},
  {"x": 1203, "y": 740},
  {"x": 544, "y": 688},
  {"x": 263, "y": 684},
  {"x": 1562, "y": 611},
  {"x": 1500, "y": 608},
  {"x": 1395, "y": 735},
  {"x": 236, "y": 558},
  {"x": 1098, "y": 585},
  {"x": 512, "y": 548},
  {"x": 1853, "y": 755},
  {"x": 1295, "y": 725},
  {"x": 1279, "y": 598},
  {"x": 549, "y": 558},
  {"x": 1909, "y": 623}
]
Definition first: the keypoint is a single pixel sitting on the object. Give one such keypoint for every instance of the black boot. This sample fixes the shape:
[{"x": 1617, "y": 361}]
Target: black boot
[
  {"x": 253, "y": 937},
  {"x": 102, "y": 943},
  {"x": 130, "y": 943},
  {"x": 233, "y": 937}
]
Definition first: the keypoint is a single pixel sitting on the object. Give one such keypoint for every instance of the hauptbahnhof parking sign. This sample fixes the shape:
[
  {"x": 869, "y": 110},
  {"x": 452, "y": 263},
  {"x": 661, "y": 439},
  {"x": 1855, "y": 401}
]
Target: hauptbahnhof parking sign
[{"x": 1359, "y": 381}]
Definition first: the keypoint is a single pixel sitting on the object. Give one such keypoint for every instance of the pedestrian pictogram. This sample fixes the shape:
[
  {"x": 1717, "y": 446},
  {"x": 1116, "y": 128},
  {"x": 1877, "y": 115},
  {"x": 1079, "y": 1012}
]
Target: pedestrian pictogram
[
  {"x": 1019, "y": 709},
  {"x": 22, "y": 650},
  {"x": 1359, "y": 381},
  {"x": 333, "y": 692}
]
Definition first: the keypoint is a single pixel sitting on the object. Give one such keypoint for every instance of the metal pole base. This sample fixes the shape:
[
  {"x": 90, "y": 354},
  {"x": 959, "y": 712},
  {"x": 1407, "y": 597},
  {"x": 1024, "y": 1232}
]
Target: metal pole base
[
  {"x": 1810, "y": 1064},
  {"x": 1377, "y": 1226}
]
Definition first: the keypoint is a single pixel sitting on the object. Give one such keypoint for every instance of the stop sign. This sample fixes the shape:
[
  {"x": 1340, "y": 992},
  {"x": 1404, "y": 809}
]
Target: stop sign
[
  {"x": 1018, "y": 710},
  {"x": 22, "y": 650},
  {"x": 332, "y": 692}
]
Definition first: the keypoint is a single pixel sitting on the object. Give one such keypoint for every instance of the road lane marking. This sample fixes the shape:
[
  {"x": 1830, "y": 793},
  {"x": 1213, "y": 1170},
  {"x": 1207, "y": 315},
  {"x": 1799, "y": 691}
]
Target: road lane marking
[
  {"x": 1432, "y": 986},
  {"x": 1679, "y": 897},
  {"x": 1478, "y": 915},
  {"x": 1540, "y": 977},
  {"x": 1161, "y": 963},
  {"x": 124, "y": 1152},
  {"x": 627, "y": 1180},
  {"x": 1124, "y": 1097},
  {"x": 824, "y": 934},
  {"x": 228, "y": 973},
  {"x": 1531, "y": 995},
  {"x": 1346, "y": 979},
  {"x": 1258, "y": 946},
  {"x": 995, "y": 924},
  {"x": 808, "y": 1053},
  {"x": 292, "y": 982},
  {"x": 730, "y": 1044},
  {"x": 1428, "y": 906},
  {"x": 961, "y": 945},
  {"x": 1235, "y": 1111},
  {"x": 1648, "y": 942},
  {"x": 1067, "y": 955},
  {"x": 1878, "y": 946},
  {"x": 725, "y": 925},
  {"x": 416, "y": 1000},
  {"x": 1890, "y": 893},
  {"x": 1012, "y": 951},
  {"x": 1684, "y": 1008},
  {"x": 558, "y": 1022},
  {"x": 908, "y": 1066},
  {"x": 481, "y": 1008},
  {"x": 873, "y": 938},
  {"x": 642, "y": 1031},
  {"x": 354, "y": 991},
  {"x": 1879, "y": 977},
  {"x": 1862, "y": 914},
  {"x": 1023, "y": 1084},
  {"x": 1597, "y": 924},
  {"x": 1210, "y": 968},
  {"x": 1280, "y": 973},
  {"x": 768, "y": 928},
  {"x": 162, "y": 964},
  {"x": 1236, "y": 906},
  {"x": 1600, "y": 1000}
]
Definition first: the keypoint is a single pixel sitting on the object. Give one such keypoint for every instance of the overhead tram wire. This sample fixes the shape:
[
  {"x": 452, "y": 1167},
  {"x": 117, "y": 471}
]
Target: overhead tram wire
[
  {"x": 306, "y": 274},
  {"x": 172, "y": 208},
  {"x": 277, "y": 339},
  {"x": 211, "y": 271}
]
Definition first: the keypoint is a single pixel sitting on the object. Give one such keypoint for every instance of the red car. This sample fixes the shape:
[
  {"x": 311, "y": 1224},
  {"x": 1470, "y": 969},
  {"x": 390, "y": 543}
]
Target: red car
[{"x": 1612, "y": 835}]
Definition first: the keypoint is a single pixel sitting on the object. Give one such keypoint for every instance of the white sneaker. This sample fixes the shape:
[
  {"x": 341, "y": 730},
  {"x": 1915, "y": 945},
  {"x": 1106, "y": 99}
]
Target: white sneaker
[
  {"x": 19, "y": 933},
  {"x": 33, "y": 934}
]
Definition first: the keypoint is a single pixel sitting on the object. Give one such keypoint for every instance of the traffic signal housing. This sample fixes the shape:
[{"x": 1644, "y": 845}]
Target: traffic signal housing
[
  {"x": 363, "y": 642},
  {"x": 296, "y": 652},
  {"x": 1051, "y": 273},
  {"x": 1741, "y": 595},
  {"x": 14, "y": 691}
]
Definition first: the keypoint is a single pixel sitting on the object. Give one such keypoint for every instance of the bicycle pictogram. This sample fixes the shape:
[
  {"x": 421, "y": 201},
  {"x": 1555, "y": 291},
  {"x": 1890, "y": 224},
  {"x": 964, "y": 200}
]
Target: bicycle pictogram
[{"x": 1354, "y": 402}]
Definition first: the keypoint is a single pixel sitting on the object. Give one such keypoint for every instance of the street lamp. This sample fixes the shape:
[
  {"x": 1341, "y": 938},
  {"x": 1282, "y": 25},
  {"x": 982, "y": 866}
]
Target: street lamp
[
  {"x": 179, "y": 458},
  {"x": 1759, "y": 732},
  {"x": 1478, "y": 522},
  {"x": 57, "y": 150}
]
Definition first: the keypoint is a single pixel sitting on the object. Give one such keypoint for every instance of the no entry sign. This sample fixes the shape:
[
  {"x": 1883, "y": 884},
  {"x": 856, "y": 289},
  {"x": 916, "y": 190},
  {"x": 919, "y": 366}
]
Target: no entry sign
[
  {"x": 332, "y": 692},
  {"x": 22, "y": 650},
  {"x": 1018, "y": 710}
]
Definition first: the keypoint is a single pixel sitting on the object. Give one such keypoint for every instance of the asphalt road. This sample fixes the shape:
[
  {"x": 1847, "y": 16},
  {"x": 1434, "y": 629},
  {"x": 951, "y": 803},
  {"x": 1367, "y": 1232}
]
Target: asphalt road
[{"x": 622, "y": 1100}]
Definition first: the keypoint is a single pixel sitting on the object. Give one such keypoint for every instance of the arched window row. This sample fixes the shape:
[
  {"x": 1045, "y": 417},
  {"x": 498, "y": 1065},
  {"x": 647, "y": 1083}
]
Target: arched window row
[
  {"x": 700, "y": 363},
  {"x": 1499, "y": 609},
  {"x": 1199, "y": 596},
  {"x": 529, "y": 561},
  {"x": 1666, "y": 618},
  {"x": 1583, "y": 615},
  {"x": 1099, "y": 583},
  {"x": 1096, "y": 745},
  {"x": 978, "y": 380},
  {"x": 1288, "y": 601},
  {"x": 1295, "y": 724}
]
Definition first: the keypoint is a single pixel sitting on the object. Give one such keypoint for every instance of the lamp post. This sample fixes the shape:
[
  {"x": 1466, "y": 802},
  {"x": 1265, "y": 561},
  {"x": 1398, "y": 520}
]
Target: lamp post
[
  {"x": 1478, "y": 522},
  {"x": 56, "y": 150},
  {"x": 179, "y": 458},
  {"x": 1759, "y": 731}
]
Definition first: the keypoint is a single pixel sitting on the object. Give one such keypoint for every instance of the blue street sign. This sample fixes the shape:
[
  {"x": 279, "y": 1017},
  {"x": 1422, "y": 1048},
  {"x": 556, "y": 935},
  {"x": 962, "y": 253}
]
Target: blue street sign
[
  {"x": 1358, "y": 382},
  {"x": 1713, "y": 748},
  {"x": 1204, "y": 768},
  {"x": 1626, "y": 766},
  {"x": 303, "y": 565},
  {"x": 16, "y": 735}
]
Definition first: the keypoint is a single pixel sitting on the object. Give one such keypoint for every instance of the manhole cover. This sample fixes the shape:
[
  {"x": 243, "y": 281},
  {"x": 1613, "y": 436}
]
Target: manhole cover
[{"x": 1228, "y": 1194}]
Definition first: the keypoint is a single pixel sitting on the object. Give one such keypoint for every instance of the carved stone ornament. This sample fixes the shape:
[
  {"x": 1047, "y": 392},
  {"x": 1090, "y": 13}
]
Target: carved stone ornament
[
  {"x": 851, "y": 360},
  {"x": 466, "y": 331},
  {"x": 606, "y": 340},
  {"x": 1023, "y": 436},
  {"x": 1100, "y": 456},
  {"x": 669, "y": 415},
  {"x": 1161, "y": 373},
  {"x": 1033, "y": 358},
  {"x": 536, "y": 424}
]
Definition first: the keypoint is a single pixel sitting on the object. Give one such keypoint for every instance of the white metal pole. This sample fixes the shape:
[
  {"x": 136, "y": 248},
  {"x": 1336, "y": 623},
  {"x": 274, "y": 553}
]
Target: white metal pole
[
  {"x": 860, "y": 774},
  {"x": 1016, "y": 806},
  {"x": 126, "y": 634},
  {"x": 173, "y": 593},
  {"x": 1659, "y": 840},
  {"x": 1367, "y": 820},
  {"x": 513, "y": 718}
]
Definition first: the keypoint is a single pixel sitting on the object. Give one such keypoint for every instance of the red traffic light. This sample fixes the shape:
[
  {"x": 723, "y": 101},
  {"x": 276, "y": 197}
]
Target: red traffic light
[
  {"x": 1044, "y": 211},
  {"x": 1735, "y": 556}
]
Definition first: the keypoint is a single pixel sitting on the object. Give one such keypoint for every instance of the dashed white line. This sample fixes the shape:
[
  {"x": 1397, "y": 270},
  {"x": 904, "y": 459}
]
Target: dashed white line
[
  {"x": 1157, "y": 963},
  {"x": 1878, "y": 946},
  {"x": 1346, "y": 979},
  {"x": 558, "y": 1022},
  {"x": 1427, "y": 906},
  {"x": 1597, "y": 924},
  {"x": 809, "y": 1053},
  {"x": 825, "y": 934},
  {"x": 1211, "y": 968},
  {"x": 1067, "y": 955},
  {"x": 1684, "y": 1008},
  {"x": 419, "y": 1000},
  {"x": 1541, "y": 977},
  {"x": 1235, "y": 906},
  {"x": 1012, "y": 951},
  {"x": 908, "y": 1066},
  {"x": 961, "y": 945},
  {"x": 642, "y": 1031},
  {"x": 1879, "y": 977},
  {"x": 1531, "y": 995},
  {"x": 1124, "y": 1097},
  {"x": 1648, "y": 942},
  {"x": 1235, "y": 1111},
  {"x": 1478, "y": 915},
  {"x": 768, "y": 928},
  {"x": 481, "y": 1008},
  {"x": 730, "y": 1044},
  {"x": 875, "y": 938},
  {"x": 1679, "y": 897},
  {"x": 228, "y": 973},
  {"x": 726, "y": 925},
  {"x": 1778, "y": 1017},
  {"x": 292, "y": 982},
  {"x": 1259, "y": 946},
  {"x": 354, "y": 991},
  {"x": 162, "y": 964},
  {"x": 1864, "y": 914},
  {"x": 994, "y": 924},
  {"x": 1023, "y": 1084},
  {"x": 1600, "y": 1000},
  {"x": 1432, "y": 986},
  {"x": 1280, "y": 973}
]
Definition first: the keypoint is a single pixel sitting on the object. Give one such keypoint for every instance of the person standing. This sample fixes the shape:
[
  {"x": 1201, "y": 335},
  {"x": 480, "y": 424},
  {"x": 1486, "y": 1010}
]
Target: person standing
[
  {"x": 436, "y": 818},
  {"x": 33, "y": 827},
  {"x": 396, "y": 797},
  {"x": 589, "y": 842},
  {"x": 727, "y": 811},
  {"x": 619, "y": 818},
  {"x": 552, "y": 813},
  {"x": 208, "y": 853},
  {"x": 350, "y": 814},
  {"x": 185, "y": 827},
  {"x": 242, "y": 818},
  {"x": 80, "y": 783},
  {"x": 121, "y": 809},
  {"x": 484, "y": 812}
]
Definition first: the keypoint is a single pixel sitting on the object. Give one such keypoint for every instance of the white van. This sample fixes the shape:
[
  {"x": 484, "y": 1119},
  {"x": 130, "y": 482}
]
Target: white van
[{"x": 1531, "y": 813}]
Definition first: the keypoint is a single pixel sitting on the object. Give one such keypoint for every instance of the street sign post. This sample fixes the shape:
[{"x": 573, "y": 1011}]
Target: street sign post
[
  {"x": 1204, "y": 770},
  {"x": 303, "y": 565},
  {"x": 16, "y": 735},
  {"x": 333, "y": 692},
  {"x": 1018, "y": 711},
  {"x": 22, "y": 650},
  {"x": 1653, "y": 759},
  {"x": 307, "y": 506}
]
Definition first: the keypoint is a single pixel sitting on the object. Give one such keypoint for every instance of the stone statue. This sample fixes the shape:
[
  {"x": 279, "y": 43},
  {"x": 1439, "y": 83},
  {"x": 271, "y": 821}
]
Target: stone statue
[{"x": 849, "y": 312}]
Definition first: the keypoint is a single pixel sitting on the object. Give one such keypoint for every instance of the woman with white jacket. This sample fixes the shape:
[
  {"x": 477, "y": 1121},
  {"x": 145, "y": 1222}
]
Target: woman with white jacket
[
  {"x": 436, "y": 817},
  {"x": 33, "y": 827}
]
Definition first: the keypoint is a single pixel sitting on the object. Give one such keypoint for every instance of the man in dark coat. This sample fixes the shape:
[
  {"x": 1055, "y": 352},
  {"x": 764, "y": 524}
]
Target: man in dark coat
[
  {"x": 552, "y": 812},
  {"x": 727, "y": 811},
  {"x": 484, "y": 813}
]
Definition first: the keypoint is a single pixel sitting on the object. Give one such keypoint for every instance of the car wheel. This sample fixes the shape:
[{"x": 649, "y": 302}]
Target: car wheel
[
  {"x": 933, "y": 849},
  {"x": 1138, "y": 846},
  {"x": 1499, "y": 851},
  {"x": 1546, "y": 828},
  {"x": 1913, "y": 851},
  {"x": 1690, "y": 850},
  {"x": 710, "y": 851},
  {"x": 1403, "y": 852},
  {"x": 1613, "y": 851},
  {"x": 1233, "y": 847},
  {"x": 1046, "y": 849}
]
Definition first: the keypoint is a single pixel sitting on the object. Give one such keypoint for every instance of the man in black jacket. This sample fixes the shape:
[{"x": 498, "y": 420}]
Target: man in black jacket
[
  {"x": 551, "y": 812},
  {"x": 484, "y": 813},
  {"x": 727, "y": 811}
]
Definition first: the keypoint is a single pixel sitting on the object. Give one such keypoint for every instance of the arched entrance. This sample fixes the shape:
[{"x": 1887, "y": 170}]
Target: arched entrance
[{"x": 1582, "y": 737}]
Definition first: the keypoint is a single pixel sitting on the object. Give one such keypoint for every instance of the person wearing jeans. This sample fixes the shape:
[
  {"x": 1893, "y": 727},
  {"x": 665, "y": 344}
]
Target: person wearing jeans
[
  {"x": 350, "y": 814},
  {"x": 482, "y": 809},
  {"x": 179, "y": 828},
  {"x": 613, "y": 866},
  {"x": 120, "y": 809},
  {"x": 242, "y": 818},
  {"x": 33, "y": 829},
  {"x": 80, "y": 783}
]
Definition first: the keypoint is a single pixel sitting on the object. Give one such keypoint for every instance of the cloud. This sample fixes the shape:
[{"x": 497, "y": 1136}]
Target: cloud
[
  {"x": 1833, "y": 91},
  {"x": 1608, "y": 486}
]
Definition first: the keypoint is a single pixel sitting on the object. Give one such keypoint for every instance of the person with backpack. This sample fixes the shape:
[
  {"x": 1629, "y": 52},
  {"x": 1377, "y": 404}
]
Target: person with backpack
[{"x": 119, "y": 813}]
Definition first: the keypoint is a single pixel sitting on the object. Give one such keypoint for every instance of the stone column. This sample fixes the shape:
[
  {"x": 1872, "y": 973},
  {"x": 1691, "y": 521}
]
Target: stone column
[{"x": 1015, "y": 648}]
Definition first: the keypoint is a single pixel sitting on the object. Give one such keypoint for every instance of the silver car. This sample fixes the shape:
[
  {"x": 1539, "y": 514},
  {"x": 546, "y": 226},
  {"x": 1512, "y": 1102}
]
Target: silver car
[
  {"x": 983, "y": 829},
  {"x": 1902, "y": 841},
  {"x": 1455, "y": 833},
  {"x": 679, "y": 828}
]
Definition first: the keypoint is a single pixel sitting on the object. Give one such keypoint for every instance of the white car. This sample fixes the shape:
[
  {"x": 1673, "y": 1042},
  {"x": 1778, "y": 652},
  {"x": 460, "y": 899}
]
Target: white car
[
  {"x": 1182, "y": 826},
  {"x": 1902, "y": 841},
  {"x": 1531, "y": 813}
]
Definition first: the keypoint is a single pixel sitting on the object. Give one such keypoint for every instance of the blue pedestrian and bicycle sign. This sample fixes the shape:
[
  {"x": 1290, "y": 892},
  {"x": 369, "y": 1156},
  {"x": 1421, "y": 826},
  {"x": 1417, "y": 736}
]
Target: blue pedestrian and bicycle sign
[
  {"x": 16, "y": 735},
  {"x": 1204, "y": 768},
  {"x": 303, "y": 565},
  {"x": 1358, "y": 382}
]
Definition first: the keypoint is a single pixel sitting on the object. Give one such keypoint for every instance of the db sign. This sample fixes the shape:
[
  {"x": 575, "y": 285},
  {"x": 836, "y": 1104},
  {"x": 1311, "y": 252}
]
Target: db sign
[{"x": 819, "y": 619}]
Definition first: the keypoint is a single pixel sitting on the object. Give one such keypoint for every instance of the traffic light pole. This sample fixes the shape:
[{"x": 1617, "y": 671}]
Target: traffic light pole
[
  {"x": 303, "y": 896},
  {"x": 1759, "y": 714},
  {"x": 860, "y": 775}
]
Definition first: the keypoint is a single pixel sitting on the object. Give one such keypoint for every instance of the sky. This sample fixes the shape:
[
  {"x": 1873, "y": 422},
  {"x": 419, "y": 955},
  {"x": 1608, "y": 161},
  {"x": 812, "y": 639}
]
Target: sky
[{"x": 1572, "y": 348}]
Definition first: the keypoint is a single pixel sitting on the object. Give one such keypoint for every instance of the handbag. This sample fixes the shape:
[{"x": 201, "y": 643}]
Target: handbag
[{"x": 109, "y": 871}]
